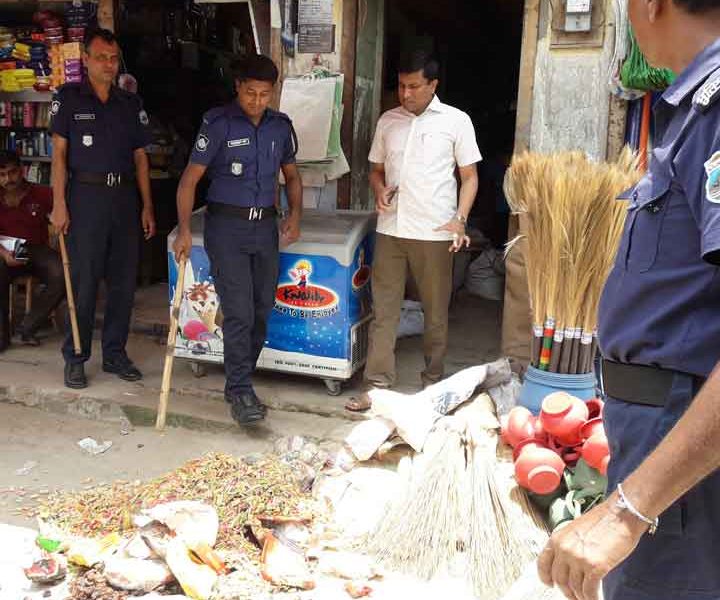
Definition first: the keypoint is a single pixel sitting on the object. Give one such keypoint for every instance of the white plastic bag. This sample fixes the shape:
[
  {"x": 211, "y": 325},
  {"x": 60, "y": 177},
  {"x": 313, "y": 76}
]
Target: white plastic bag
[
  {"x": 412, "y": 319},
  {"x": 485, "y": 277},
  {"x": 414, "y": 415},
  {"x": 367, "y": 437}
]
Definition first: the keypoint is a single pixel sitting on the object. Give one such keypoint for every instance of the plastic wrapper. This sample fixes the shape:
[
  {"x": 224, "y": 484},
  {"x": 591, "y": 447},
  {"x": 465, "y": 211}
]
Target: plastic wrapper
[{"x": 137, "y": 575}]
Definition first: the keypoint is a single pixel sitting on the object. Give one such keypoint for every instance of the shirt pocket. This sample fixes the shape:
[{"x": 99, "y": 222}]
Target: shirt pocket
[
  {"x": 646, "y": 215},
  {"x": 86, "y": 132},
  {"x": 437, "y": 149},
  {"x": 240, "y": 161}
]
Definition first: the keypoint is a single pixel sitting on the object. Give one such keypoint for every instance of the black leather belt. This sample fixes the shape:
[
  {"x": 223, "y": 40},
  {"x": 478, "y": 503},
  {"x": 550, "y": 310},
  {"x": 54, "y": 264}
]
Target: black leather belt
[
  {"x": 254, "y": 213},
  {"x": 105, "y": 179},
  {"x": 640, "y": 384}
]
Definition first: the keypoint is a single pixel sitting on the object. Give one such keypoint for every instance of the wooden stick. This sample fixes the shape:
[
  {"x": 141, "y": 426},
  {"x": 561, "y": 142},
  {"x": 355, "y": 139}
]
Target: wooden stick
[
  {"x": 70, "y": 295},
  {"x": 170, "y": 349}
]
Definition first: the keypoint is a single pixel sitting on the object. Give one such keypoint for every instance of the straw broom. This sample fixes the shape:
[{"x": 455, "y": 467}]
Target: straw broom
[
  {"x": 501, "y": 535},
  {"x": 422, "y": 530},
  {"x": 573, "y": 228}
]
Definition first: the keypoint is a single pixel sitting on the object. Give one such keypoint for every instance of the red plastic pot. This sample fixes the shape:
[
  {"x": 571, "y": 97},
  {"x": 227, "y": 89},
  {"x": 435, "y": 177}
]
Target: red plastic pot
[
  {"x": 596, "y": 452},
  {"x": 595, "y": 408},
  {"x": 520, "y": 426},
  {"x": 539, "y": 469},
  {"x": 562, "y": 415},
  {"x": 592, "y": 427},
  {"x": 528, "y": 443}
]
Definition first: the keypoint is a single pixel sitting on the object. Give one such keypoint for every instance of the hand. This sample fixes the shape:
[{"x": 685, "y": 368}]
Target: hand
[
  {"x": 460, "y": 238},
  {"x": 290, "y": 230},
  {"x": 384, "y": 197},
  {"x": 148, "y": 221},
  {"x": 10, "y": 260},
  {"x": 578, "y": 556},
  {"x": 60, "y": 218},
  {"x": 182, "y": 244}
]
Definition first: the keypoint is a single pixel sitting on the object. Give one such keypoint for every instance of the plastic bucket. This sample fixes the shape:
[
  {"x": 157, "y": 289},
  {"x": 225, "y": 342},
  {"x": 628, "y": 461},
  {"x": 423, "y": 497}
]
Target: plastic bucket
[{"x": 539, "y": 384}]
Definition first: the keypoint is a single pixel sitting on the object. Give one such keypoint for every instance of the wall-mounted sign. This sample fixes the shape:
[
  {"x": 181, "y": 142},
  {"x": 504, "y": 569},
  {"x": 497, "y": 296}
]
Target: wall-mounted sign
[{"x": 316, "y": 30}]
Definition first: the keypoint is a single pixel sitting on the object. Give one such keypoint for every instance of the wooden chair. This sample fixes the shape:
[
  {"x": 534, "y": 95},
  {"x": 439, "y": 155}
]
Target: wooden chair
[{"x": 26, "y": 282}]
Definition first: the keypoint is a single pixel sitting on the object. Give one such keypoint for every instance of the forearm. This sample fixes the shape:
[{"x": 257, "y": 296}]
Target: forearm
[
  {"x": 58, "y": 178},
  {"x": 688, "y": 454},
  {"x": 142, "y": 174},
  {"x": 185, "y": 202},
  {"x": 468, "y": 192},
  {"x": 377, "y": 180},
  {"x": 294, "y": 190}
]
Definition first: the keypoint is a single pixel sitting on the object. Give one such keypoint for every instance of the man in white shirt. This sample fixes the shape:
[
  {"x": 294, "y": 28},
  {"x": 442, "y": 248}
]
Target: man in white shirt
[{"x": 414, "y": 155}]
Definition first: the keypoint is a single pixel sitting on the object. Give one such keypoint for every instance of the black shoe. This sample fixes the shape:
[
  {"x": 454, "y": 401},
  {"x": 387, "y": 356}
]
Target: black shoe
[
  {"x": 246, "y": 409},
  {"x": 75, "y": 376},
  {"x": 123, "y": 368},
  {"x": 263, "y": 408}
]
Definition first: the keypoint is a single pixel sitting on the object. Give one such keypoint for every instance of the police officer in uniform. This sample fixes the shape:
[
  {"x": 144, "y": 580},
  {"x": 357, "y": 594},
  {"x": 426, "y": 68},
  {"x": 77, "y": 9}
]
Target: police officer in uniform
[
  {"x": 657, "y": 536},
  {"x": 99, "y": 164},
  {"x": 243, "y": 146}
]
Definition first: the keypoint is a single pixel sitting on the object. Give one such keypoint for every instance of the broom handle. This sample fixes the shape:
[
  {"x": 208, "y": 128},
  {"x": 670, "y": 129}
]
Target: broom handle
[
  {"x": 70, "y": 295},
  {"x": 645, "y": 130},
  {"x": 170, "y": 348}
]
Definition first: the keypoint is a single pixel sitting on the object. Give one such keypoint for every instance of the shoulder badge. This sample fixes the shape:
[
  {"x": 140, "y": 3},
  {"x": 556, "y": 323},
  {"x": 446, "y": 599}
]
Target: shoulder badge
[
  {"x": 708, "y": 94},
  {"x": 143, "y": 116},
  {"x": 712, "y": 185}
]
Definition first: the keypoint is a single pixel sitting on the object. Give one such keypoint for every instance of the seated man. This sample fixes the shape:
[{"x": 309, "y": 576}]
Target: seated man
[{"x": 24, "y": 210}]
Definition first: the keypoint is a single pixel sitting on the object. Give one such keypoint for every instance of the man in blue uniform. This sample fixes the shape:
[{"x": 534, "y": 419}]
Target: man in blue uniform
[
  {"x": 99, "y": 163},
  {"x": 658, "y": 534},
  {"x": 243, "y": 146}
]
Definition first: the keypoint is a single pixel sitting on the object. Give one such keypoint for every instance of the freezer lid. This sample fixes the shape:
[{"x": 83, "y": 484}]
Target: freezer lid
[{"x": 335, "y": 234}]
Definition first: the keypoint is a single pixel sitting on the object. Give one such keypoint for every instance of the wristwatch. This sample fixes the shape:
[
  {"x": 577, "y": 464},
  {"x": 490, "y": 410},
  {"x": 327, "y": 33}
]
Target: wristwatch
[{"x": 461, "y": 218}]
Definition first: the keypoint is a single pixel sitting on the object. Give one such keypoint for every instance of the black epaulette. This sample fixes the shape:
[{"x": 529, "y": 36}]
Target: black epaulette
[{"x": 708, "y": 94}]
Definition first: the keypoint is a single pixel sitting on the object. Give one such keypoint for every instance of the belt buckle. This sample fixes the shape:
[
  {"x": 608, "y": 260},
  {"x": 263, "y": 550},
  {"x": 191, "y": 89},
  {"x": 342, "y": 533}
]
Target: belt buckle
[
  {"x": 255, "y": 214},
  {"x": 113, "y": 179}
]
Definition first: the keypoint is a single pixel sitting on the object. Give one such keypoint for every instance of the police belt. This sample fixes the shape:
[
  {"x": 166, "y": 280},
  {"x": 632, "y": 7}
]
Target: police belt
[
  {"x": 640, "y": 384},
  {"x": 104, "y": 179},
  {"x": 253, "y": 213}
]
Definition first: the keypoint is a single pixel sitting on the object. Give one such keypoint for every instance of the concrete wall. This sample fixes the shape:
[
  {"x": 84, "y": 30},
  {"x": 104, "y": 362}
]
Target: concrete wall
[{"x": 570, "y": 106}]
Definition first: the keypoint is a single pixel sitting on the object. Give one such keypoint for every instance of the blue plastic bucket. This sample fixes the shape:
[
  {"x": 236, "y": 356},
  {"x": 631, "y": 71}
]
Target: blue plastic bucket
[{"x": 539, "y": 384}]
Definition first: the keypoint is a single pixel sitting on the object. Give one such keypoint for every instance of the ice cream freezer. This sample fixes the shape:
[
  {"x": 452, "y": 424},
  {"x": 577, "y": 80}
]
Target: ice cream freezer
[{"x": 319, "y": 323}]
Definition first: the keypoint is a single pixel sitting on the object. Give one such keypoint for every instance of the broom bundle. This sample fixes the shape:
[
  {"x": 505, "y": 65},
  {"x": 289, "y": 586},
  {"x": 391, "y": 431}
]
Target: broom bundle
[
  {"x": 573, "y": 223},
  {"x": 461, "y": 502}
]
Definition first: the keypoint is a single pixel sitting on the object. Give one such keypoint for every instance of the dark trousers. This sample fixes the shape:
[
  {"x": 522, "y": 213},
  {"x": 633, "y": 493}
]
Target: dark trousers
[
  {"x": 45, "y": 264},
  {"x": 682, "y": 560},
  {"x": 244, "y": 264},
  {"x": 103, "y": 244}
]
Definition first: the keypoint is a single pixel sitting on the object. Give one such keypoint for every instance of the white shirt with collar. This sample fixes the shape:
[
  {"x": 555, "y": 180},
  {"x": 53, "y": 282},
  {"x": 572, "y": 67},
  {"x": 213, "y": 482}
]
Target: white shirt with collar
[{"x": 420, "y": 154}]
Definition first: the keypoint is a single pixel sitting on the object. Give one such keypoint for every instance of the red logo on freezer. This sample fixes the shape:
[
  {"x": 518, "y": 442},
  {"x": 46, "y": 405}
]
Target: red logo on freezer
[
  {"x": 303, "y": 295},
  {"x": 361, "y": 277}
]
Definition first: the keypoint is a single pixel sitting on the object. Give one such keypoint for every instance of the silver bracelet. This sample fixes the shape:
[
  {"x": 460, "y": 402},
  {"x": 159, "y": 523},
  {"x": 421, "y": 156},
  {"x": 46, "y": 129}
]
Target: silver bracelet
[{"x": 624, "y": 504}]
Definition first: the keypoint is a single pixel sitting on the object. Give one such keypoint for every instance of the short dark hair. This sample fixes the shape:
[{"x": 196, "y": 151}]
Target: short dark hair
[
  {"x": 8, "y": 159},
  {"x": 98, "y": 33},
  {"x": 419, "y": 60},
  {"x": 258, "y": 67},
  {"x": 698, "y": 6}
]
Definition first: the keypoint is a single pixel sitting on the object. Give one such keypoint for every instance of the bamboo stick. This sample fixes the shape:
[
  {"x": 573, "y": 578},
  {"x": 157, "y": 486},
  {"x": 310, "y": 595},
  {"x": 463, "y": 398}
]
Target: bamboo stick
[
  {"x": 70, "y": 296},
  {"x": 170, "y": 348}
]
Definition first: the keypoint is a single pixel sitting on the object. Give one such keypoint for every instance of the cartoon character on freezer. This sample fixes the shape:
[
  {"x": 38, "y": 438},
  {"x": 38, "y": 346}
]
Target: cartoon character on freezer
[{"x": 200, "y": 318}]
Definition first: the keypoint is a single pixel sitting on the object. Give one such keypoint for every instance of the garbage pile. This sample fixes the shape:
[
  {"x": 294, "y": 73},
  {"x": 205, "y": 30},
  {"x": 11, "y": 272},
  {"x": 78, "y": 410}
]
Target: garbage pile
[{"x": 441, "y": 504}]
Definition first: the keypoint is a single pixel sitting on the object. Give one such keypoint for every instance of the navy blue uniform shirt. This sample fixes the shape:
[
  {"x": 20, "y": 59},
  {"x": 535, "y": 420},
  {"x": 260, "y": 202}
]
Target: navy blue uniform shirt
[
  {"x": 661, "y": 303},
  {"x": 101, "y": 137},
  {"x": 243, "y": 161}
]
